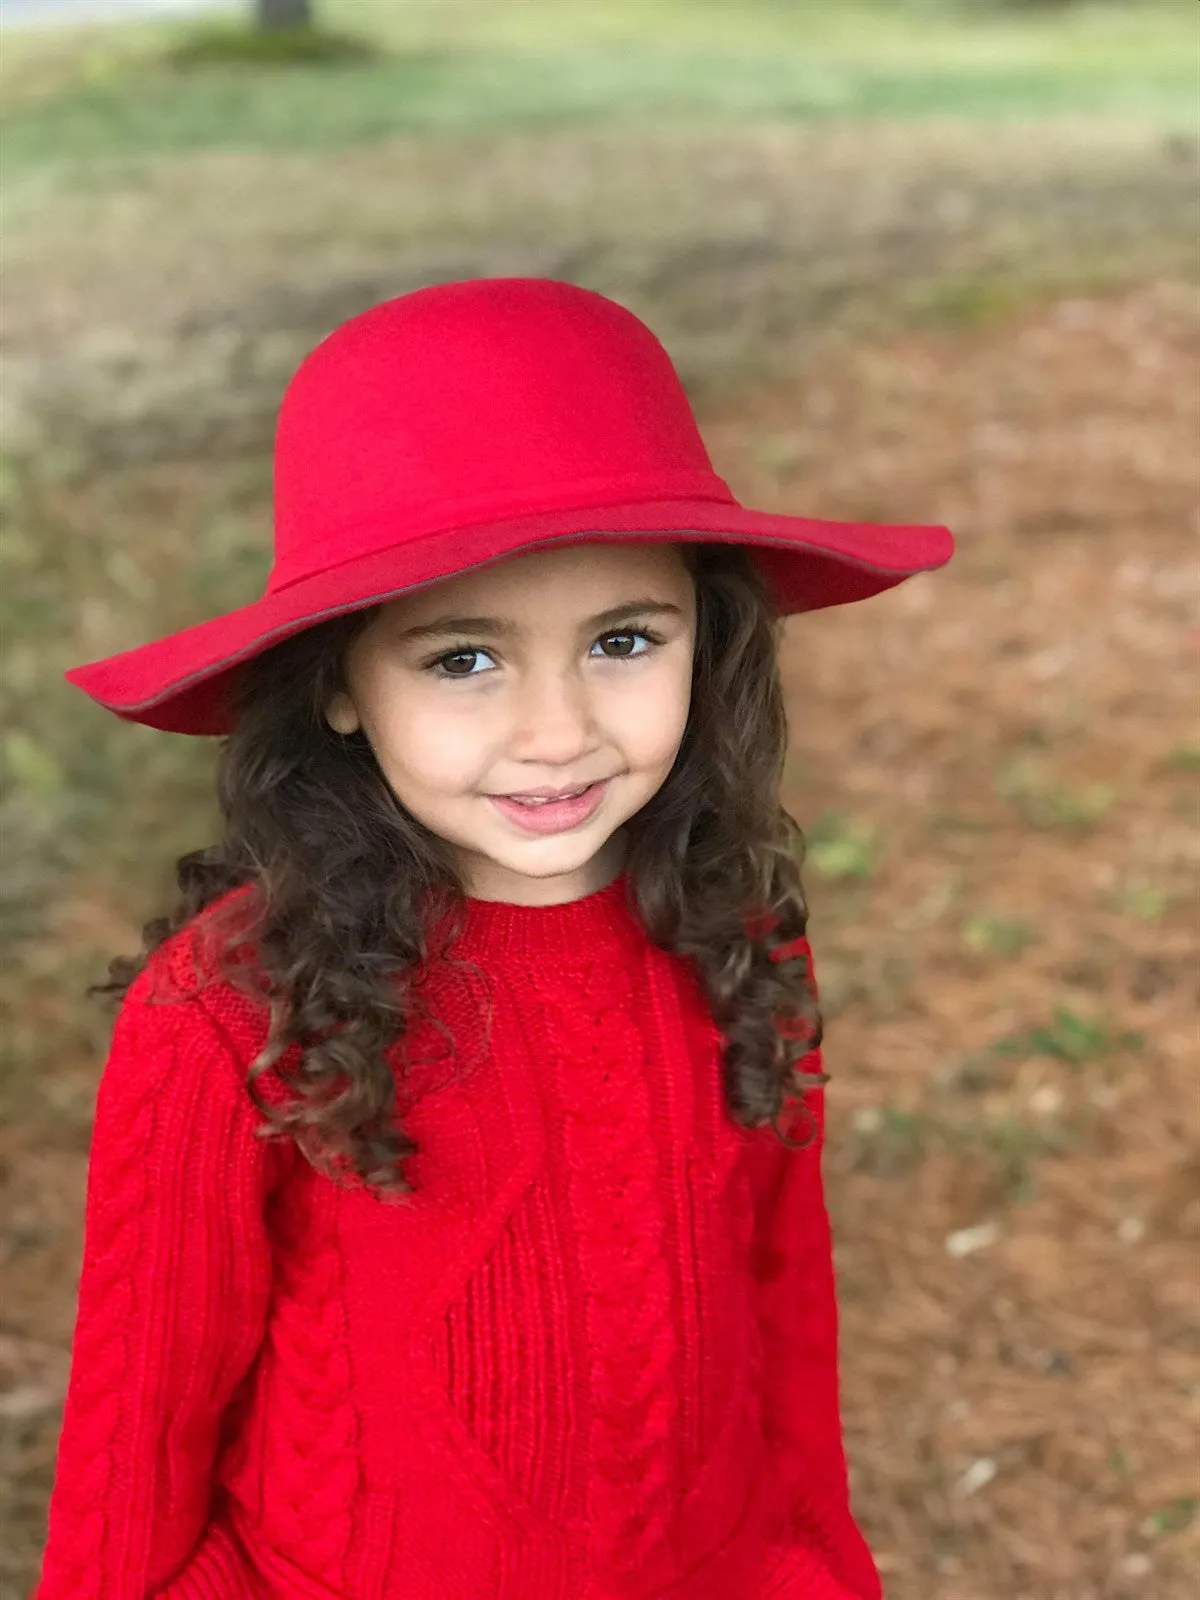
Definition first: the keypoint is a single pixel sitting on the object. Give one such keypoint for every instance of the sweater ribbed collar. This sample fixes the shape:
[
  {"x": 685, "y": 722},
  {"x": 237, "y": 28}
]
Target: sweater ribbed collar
[{"x": 602, "y": 921}]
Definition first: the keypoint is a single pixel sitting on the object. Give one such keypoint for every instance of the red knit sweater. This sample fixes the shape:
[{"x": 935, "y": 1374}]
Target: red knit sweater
[{"x": 593, "y": 1357}]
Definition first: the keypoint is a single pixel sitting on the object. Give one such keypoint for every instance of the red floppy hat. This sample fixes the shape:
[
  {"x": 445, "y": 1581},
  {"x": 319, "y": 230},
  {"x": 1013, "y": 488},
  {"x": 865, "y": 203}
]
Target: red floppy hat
[{"x": 463, "y": 423}]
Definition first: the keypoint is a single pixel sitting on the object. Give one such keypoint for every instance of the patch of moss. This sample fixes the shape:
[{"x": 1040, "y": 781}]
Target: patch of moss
[{"x": 225, "y": 45}]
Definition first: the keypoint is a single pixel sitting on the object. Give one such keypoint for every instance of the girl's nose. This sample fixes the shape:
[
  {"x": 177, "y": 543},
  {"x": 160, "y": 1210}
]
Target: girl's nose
[{"x": 553, "y": 719}]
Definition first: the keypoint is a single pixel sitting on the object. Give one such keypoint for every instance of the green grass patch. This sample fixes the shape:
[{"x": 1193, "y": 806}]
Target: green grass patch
[
  {"x": 1044, "y": 803},
  {"x": 232, "y": 44},
  {"x": 1074, "y": 1040},
  {"x": 1145, "y": 901},
  {"x": 1002, "y": 936},
  {"x": 1177, "y": 1516},
  {"x": 117, "y": 94},
  {"x": 1013, "y": 1146},
  {"x": 842, "y": 847},
  {"x": 1077, "y": 1041},
  {"x": 891, "y": 1141}
]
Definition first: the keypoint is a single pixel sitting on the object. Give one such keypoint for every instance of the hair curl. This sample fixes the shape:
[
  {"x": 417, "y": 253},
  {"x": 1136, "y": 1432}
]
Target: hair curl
[{"x": 338, "y": 871}]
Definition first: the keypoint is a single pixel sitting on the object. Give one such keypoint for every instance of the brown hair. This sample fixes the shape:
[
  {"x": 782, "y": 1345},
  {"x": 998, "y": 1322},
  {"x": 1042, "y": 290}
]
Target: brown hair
[{"x": 338, "y": 872}]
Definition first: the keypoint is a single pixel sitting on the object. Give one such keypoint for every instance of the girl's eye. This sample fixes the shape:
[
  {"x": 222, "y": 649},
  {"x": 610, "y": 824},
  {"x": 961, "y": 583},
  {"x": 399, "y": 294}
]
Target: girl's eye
[
  {"x": 441, "y": 666},
  {"x": 651, "y": 639}
]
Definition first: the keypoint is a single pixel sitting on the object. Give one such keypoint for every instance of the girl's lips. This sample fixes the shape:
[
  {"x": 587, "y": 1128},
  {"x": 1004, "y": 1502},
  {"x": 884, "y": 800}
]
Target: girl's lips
[{"x": 554, "y": 816}]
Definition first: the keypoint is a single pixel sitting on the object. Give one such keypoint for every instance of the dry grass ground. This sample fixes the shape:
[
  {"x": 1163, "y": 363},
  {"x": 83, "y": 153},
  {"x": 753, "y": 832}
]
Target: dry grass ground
[
  {"x": 996, "y": 765},
  {"x": 1014, "y": 978}
]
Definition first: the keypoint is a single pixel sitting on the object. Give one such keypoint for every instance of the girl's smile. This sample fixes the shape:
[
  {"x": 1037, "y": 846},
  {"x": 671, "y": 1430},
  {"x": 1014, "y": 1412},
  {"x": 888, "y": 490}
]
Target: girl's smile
[{"x": 553, "y": 816}]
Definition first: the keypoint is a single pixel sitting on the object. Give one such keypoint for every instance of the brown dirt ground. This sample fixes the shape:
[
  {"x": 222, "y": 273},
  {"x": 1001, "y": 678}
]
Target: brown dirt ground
[{"x": 1021, "y": 1401}]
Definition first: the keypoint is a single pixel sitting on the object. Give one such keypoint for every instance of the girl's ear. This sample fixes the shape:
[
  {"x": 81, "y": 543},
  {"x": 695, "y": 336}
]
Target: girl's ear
[{"x": 340, "y": 713}]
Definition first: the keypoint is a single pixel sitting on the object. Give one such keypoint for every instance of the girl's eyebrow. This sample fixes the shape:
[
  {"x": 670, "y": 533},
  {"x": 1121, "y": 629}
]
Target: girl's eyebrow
[{"x": 504, "y": 627}]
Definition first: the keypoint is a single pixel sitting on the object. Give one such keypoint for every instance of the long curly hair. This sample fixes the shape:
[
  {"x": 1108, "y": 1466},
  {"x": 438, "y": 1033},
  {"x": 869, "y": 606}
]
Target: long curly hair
[{"x": 340, "y": 880}]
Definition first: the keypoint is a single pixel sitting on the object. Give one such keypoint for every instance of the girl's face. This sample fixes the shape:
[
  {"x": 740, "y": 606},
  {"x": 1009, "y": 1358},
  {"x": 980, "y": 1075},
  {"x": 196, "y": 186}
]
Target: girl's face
[{"x": 549, "y": 670}]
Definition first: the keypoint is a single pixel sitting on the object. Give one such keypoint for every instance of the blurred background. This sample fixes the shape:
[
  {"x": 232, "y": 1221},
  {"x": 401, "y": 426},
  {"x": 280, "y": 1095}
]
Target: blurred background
[{"x": 916, "y": 260}]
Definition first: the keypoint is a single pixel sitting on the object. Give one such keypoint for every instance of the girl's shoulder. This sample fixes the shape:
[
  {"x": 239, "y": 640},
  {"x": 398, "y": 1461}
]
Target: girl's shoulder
[
  {"x": 183, "y": 1042},
  {"x": 184, "y": 979}
]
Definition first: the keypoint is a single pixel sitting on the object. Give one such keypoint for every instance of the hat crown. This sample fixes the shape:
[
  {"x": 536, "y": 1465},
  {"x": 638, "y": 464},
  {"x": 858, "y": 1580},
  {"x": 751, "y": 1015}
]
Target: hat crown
[{"x": 472, "y": 401}]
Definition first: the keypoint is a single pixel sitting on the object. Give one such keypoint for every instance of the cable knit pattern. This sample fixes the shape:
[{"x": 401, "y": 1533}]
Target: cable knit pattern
[
  {"x": 617, "y": 1212},
  {"x": 593, "y": 1357},
  {"x": 314, "y": 1456},
  {"x": 171, "y": 1305}
]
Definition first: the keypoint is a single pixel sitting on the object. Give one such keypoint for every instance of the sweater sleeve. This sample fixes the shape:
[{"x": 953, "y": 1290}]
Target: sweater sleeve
[
  {"x": 172, "y": 1304},
  {"x": 797, "y": 1311}
]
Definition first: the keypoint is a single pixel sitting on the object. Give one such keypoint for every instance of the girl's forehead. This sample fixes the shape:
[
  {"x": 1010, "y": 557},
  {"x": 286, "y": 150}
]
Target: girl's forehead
[{"x": 577, "y": 577}]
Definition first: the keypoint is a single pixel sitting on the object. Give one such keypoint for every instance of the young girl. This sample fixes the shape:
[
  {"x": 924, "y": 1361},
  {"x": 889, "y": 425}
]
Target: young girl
[{"x": 455, "y": 1224}]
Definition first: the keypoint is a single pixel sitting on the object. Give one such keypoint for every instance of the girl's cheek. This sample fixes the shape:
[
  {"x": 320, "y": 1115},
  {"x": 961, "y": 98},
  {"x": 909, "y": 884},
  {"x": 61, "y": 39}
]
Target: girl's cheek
[
  {"x": 654, "y": 718},
  {"x": 441, "y": 752}
]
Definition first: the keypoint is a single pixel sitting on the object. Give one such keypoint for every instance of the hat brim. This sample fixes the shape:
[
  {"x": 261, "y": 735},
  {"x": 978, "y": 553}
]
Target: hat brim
[{"x": 181, "y": 683}]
